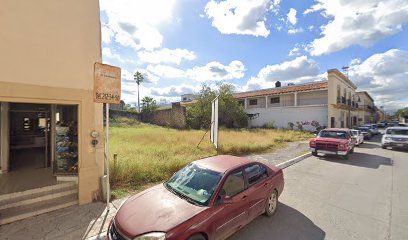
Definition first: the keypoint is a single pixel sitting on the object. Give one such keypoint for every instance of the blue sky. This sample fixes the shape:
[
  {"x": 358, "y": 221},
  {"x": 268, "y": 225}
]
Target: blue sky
[{"x": 180, "y": 44}]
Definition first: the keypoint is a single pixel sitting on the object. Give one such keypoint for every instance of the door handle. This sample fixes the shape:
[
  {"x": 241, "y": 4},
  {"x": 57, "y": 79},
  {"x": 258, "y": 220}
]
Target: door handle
[
  {"x": 265, "y": 184},
  {"x": 244, "y": 197}
]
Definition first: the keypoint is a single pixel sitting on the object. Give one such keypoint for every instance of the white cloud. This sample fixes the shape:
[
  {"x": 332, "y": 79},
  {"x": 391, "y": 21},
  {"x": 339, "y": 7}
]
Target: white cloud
[
  {"x": 291, "y": 16},
  {"x": 135, "y": 23},
  {"x": 294, "y": 51},
  {"x": 107, "y": 55},
  {"x": 295, "y": 30},
  {"x": 166, "y": 55},
  {"x": 299, "y": 70},
  {"x": 213, "y": 71},
  {"x": 217, "y": 71},
  {"x": 164, "y": 71},
  {"x": 358, "y": 22},
  {"x": 246, "y": 17},
  {"x": 384, "y": 76},
  {"x": 174, "y": 91}
]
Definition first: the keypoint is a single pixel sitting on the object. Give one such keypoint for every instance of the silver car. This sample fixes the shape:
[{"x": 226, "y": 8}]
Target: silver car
[
  {"x": 395, "y": 137},
  {"x": 359, "y": 136}
]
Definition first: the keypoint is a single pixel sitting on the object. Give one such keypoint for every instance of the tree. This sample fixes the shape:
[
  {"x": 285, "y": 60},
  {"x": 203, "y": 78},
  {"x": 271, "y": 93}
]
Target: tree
[
  {"x": 148, "y": 105},
  {"x": 231, "y": 114},
  {"x": 403, "y": 112},
  {"x": 138, "y": 77}
]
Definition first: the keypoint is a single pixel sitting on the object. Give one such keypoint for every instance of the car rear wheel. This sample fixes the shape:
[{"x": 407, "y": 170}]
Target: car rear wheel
[
  {"x": 383, "y": 147},
  {"x": 271, "y": 203},
  {"x": 197, "y": 237}
]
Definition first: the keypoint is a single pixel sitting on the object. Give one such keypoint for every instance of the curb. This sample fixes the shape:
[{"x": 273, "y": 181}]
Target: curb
[{"x": 294, "y": 160}]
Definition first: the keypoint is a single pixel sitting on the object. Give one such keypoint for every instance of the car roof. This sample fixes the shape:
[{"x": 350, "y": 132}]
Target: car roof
[
  {"x": 222, "y": 163},
  {"x": 404, "y": 128},
  {"x": 336, "y": 129}
]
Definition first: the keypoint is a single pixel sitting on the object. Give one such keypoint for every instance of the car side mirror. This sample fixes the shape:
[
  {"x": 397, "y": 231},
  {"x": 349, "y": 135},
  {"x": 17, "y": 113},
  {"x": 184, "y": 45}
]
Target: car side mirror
[{"x": 223, "y": 198}]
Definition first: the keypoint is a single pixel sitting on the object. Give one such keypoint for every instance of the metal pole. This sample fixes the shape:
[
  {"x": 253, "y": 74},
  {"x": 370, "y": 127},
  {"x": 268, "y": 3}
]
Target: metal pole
[{"x": 107, "y": 156}]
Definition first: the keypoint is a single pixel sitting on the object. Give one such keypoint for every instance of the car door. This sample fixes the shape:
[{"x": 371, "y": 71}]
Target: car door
[
  {"x": 258, "y": 188},
  {"x": 233, "y": 212}
]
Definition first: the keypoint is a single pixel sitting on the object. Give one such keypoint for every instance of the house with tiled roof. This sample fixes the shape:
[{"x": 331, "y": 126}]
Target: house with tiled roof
[{"x": 309, "y": 106}]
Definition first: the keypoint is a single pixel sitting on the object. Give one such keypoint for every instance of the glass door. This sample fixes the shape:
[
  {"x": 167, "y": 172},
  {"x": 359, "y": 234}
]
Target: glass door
[{"x": 66, "y": 140}]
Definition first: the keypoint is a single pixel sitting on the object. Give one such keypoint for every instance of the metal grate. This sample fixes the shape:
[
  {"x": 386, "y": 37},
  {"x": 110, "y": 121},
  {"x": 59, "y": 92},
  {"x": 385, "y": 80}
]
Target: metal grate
[{"x": 326, "y": 146}]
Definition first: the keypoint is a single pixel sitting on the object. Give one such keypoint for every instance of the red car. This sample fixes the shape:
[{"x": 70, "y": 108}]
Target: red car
[
  {"x": 338, "y": 141},
  {"x": 208, "y": 199}
]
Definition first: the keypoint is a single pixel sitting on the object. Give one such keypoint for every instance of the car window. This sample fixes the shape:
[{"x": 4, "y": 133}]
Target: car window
[
  {"x": 334, "y": 134},
  {"x": 234, "y": 183},
  {"x": 397, "y": 131},
  {"x": 255, "y": 173}
]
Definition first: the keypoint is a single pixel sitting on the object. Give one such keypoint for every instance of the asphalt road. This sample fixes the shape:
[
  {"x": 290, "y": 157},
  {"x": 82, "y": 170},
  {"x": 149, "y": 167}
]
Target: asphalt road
[{"x": 365, "y": 197}]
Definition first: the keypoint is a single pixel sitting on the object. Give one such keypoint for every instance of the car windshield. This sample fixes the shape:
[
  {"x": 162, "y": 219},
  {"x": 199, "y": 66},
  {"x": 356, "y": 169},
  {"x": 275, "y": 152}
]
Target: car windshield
[
  {"x": 194, "y": 184},
  {"x": 397, "y": 131},
  {"x": 333, "y": 134}
]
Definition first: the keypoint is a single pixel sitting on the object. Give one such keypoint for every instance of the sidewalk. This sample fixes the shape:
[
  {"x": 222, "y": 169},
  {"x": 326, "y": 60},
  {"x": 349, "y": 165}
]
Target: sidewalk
[{"x": 88, "y": 221}]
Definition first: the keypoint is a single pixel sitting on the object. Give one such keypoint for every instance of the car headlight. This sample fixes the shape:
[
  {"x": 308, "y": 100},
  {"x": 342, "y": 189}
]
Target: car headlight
[
  {"x": 341, "y": 145},
  {"x": 152, "y": 236}
]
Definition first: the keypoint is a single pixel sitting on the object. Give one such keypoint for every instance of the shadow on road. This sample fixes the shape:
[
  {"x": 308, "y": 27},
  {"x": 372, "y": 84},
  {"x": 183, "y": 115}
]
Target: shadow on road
[
  {"x": 287, "y": 224},
  {"x": 369, "y": 145},
  {"x": 360, "y": 160}
]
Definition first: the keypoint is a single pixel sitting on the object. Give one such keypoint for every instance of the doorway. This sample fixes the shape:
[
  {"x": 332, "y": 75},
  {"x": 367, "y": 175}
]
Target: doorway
[{"x": 29, "y": 136}]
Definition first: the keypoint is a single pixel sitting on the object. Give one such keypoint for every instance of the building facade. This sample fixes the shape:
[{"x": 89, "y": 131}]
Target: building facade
[
  {"x": 48, "y": 51},
  {"x": 312, "y": 106}
]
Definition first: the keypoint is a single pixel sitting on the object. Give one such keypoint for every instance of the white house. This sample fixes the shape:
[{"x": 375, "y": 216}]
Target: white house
[{"x": 310, "y": 106}]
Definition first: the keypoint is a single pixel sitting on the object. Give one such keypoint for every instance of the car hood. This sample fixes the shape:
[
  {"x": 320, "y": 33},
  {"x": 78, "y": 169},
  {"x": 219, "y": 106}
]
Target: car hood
[
  {"x": 331, "y": 140},
  {"x": 397, "y": 136},
  {"x": 155, "y": 209}
]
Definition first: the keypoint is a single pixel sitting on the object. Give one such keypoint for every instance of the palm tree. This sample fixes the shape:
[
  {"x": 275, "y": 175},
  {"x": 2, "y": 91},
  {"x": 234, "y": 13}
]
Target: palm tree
[{"x": 138, "y": 77}]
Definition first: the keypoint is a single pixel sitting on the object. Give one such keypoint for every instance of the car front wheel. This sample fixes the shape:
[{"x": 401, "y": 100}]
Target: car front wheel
[
  {"x": 346, "y": 157},
  {"x": 271, "y": 203}
]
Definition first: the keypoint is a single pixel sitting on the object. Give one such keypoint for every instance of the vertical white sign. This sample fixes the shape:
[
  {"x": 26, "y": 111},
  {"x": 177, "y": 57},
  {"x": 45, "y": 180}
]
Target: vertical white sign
[{"x": 214, "y": 122}]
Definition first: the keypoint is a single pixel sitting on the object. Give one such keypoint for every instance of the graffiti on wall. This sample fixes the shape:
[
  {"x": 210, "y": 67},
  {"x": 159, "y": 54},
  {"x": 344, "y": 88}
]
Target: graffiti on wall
[{"x": 312, "y": 126}]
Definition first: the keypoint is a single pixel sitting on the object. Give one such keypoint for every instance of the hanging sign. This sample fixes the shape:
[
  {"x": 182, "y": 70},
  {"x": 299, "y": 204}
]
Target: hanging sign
[{"x": 107, "y": 84}]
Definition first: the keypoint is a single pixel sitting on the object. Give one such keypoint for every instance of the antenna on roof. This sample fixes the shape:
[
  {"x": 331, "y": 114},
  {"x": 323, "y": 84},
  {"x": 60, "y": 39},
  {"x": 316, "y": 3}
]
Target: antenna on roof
[{"x": 346, "y": 70}]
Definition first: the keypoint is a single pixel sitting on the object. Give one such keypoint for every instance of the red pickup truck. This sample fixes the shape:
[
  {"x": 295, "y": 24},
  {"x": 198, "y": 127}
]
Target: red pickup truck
[{"x": 337, "y": 141}]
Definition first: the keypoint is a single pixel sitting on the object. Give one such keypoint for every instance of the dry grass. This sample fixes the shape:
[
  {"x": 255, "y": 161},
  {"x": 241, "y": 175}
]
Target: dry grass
[{"x": 148, "y": 154}]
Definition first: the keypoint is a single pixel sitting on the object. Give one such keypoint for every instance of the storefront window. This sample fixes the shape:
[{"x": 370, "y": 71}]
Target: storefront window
[{"x": 66, "y": 154}]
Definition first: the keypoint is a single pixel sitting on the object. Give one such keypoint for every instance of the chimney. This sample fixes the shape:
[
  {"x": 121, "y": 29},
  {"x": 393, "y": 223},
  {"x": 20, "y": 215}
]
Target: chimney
[{"x": 278, "y": 84}]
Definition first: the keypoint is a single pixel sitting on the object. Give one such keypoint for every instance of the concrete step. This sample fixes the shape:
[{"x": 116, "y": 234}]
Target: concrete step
[
  {"x": 37, "y": 195},
  {"x": 13, "y": 214}
]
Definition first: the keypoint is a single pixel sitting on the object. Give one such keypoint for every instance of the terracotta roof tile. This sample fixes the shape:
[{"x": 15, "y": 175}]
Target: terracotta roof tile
[{"x": 282, "y": 90}]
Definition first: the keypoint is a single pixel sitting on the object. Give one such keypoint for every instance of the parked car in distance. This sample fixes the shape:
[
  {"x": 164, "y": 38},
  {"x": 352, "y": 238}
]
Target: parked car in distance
[
  {"x": 338, "y": 141},
  {"x": 367, "y": 133},
  {"x": 373, "y": 128},
  {"x": 395, "y": 137},
  {"x": 208, "y": 199},
  {"x": 358, "y": 135},
  {"x": 382, "y": 124}
]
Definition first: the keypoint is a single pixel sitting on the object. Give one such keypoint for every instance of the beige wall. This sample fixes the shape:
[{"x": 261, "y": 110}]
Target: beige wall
[
  {"x": 49, "y": 42},
  {"x": 47, "y": 53},
  {"x": 337, "y": 79}
]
